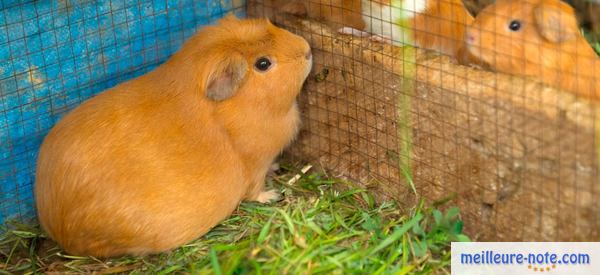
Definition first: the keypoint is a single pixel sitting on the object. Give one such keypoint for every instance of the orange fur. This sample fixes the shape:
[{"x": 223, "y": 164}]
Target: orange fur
[
  {"x": 442, "y": 26},
  {"x": 548, "y": 45},
  {"x": 156, "y": 162}
]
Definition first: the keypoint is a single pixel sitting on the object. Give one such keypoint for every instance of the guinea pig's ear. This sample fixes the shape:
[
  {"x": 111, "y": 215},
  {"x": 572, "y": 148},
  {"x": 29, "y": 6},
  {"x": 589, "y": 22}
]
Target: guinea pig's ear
[
  {"x": 557, "y": 23},
  {"x": 225, "y": 78}
]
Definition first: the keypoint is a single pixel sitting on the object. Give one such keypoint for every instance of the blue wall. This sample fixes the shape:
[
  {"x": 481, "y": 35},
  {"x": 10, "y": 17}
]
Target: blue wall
[{"x": 55, "y": 54}]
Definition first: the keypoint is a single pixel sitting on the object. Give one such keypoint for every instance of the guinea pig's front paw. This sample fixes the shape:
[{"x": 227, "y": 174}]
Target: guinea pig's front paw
[
  {"x": 352, "y": 31},
  {"x": 381, "y": 39},
  {"x": 268, "y": 196}
]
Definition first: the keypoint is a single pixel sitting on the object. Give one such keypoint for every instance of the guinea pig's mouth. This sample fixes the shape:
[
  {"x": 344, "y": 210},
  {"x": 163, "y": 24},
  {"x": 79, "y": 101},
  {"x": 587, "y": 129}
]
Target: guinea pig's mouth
[
  {"x": 474, "y": 47},
  {"x": 474, "y": 50},
  {"x": 473, "y": 42},
  {"x": 308, "y": 55},
  {"x": 309, "y": 62}
]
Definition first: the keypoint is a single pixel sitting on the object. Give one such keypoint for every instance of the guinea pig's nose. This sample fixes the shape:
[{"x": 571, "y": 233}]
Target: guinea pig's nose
[
  {"x": 471, "y": 38},
  {"x": 308, "y": 55}
]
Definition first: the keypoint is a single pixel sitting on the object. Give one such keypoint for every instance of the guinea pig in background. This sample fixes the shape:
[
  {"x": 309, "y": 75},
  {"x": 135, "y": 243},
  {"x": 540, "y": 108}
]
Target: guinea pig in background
[
  {"x": 438, "y": 25},
  {"x": 537, "y": 38},
  {"x": 157, "y": 161},
  {"x": 335, "y": 13}
]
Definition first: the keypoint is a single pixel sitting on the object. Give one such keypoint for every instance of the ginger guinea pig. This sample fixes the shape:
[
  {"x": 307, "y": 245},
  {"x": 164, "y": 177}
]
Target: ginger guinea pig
[
  {"x": 438, "y": 25},
  {"x": 157, "y": 161},
  {"x": 536, "y": 38}
]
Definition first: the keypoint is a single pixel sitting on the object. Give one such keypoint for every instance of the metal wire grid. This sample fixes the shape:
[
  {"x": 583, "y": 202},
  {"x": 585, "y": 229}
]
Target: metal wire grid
[
  {"x": 56, "y": 54},
  {"x": 341, "y": 133},
  {"x": 51, "y": 67}
]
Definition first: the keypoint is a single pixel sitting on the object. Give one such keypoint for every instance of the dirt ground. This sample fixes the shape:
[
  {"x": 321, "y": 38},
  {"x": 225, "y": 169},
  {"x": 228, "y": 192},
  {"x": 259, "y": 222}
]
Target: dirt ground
[{"x": 518, "y": 158}]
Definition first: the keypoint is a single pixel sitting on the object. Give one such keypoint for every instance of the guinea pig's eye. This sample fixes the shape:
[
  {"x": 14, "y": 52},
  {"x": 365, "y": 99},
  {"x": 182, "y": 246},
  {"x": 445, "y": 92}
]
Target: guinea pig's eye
[
  {"x": 514, "y": 25},
  {"x": 262, "y": 64}
]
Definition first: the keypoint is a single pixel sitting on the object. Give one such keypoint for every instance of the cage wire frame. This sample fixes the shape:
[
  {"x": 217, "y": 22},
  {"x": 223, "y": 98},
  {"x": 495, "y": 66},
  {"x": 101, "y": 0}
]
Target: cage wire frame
[
  {"x": 56, "y": 54},
  {"x": 518, "y": 157}
]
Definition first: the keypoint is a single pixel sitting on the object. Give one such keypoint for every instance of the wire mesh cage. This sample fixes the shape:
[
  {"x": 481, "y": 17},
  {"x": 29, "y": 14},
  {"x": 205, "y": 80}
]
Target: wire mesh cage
[
  {"x": 56, "y": 54},
  {"x": 516, "y": 153},
  {"x": 395, "y": 102}
]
